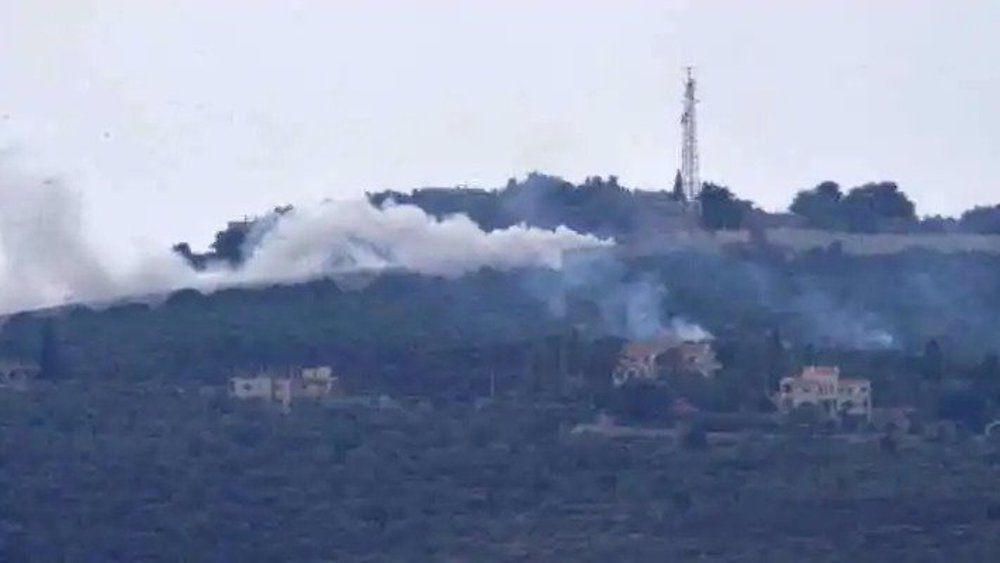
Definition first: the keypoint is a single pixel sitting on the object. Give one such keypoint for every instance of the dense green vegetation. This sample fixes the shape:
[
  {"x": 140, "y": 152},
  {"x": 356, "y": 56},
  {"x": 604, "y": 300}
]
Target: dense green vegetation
[
  {"x": 917, "y": 324},
  {"x": 824, "y": 298},
  {"x": 153, "y": 474},
  {"x": 867, "y": 209}
]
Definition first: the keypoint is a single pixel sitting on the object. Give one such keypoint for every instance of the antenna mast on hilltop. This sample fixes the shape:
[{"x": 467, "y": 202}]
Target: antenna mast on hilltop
[{"x": 689, "y": 147}]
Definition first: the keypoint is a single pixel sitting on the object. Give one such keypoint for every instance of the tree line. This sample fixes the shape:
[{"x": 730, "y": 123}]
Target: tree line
[{"x": 603, "y": 207}]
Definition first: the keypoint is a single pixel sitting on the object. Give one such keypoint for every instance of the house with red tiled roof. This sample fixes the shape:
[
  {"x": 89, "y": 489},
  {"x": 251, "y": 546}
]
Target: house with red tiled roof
[{"x": 642, "y": 361}]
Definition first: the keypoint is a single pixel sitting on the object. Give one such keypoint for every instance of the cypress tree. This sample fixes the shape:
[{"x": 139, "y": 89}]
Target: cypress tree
[{"x": 678, "y": 193}]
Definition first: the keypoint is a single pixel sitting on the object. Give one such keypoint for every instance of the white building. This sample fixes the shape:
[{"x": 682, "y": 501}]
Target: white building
[
  {"x": 307, "y": 383},
  {"x": 823, "y": 387},
  {"x": 255, "y": 387},
  {"x": 317, "y": 382}
]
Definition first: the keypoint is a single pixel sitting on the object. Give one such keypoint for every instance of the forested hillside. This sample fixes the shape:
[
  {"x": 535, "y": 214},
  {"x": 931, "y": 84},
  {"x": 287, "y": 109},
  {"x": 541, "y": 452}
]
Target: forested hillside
[
  {"x": 135, "y": 474},
  {"x": 127, "y": 447},
  {"x": 413, "y": 334}
]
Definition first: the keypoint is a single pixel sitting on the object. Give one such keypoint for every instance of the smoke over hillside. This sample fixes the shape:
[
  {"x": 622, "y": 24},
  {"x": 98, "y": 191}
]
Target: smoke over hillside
[
  {"x": 827, "y": 296},
  {"x": 631, "y": 307},
  {"x": 45, "y": 259},
  {"x": 347, "y": 236}
]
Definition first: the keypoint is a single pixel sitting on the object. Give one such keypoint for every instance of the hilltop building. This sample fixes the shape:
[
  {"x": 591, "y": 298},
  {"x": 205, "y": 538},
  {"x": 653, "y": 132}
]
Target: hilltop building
[{"x": 823, "y": 387}]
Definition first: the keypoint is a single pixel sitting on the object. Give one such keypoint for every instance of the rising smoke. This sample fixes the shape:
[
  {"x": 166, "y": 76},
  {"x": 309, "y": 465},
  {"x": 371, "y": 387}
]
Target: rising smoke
[
  {"x": 45, "y": 259},
  {"x": 839, "y": 324},
  {"x": 630, "y": 307},
  {"x": 634, "y": 310},
  {"x": 40, "y": 245},
  {"x": 345, "y": 236}
]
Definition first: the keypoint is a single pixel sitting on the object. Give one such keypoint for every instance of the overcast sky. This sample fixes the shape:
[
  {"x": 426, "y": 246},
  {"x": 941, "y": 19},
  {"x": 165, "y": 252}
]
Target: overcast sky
[{"x": 170, "y": 117}]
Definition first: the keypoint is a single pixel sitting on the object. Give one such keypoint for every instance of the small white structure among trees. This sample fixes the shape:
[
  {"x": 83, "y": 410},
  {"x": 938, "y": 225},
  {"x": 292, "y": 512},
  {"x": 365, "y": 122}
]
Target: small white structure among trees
[{"x": 306, "y": 383}]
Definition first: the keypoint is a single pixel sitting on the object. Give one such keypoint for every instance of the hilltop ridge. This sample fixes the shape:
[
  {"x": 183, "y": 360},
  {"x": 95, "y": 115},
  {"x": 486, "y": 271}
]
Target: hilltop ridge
[{"x": 816, "y": 217}]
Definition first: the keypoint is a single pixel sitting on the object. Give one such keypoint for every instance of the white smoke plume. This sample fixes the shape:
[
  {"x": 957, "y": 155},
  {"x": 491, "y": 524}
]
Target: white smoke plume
[
  {"x": 634, "y": 311},
  {"x": 45, "y": 259},
  {"x": 687, "y": 331},
  {"x": 345, "y": 236},
  {"x": 42, "y": 252}
]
